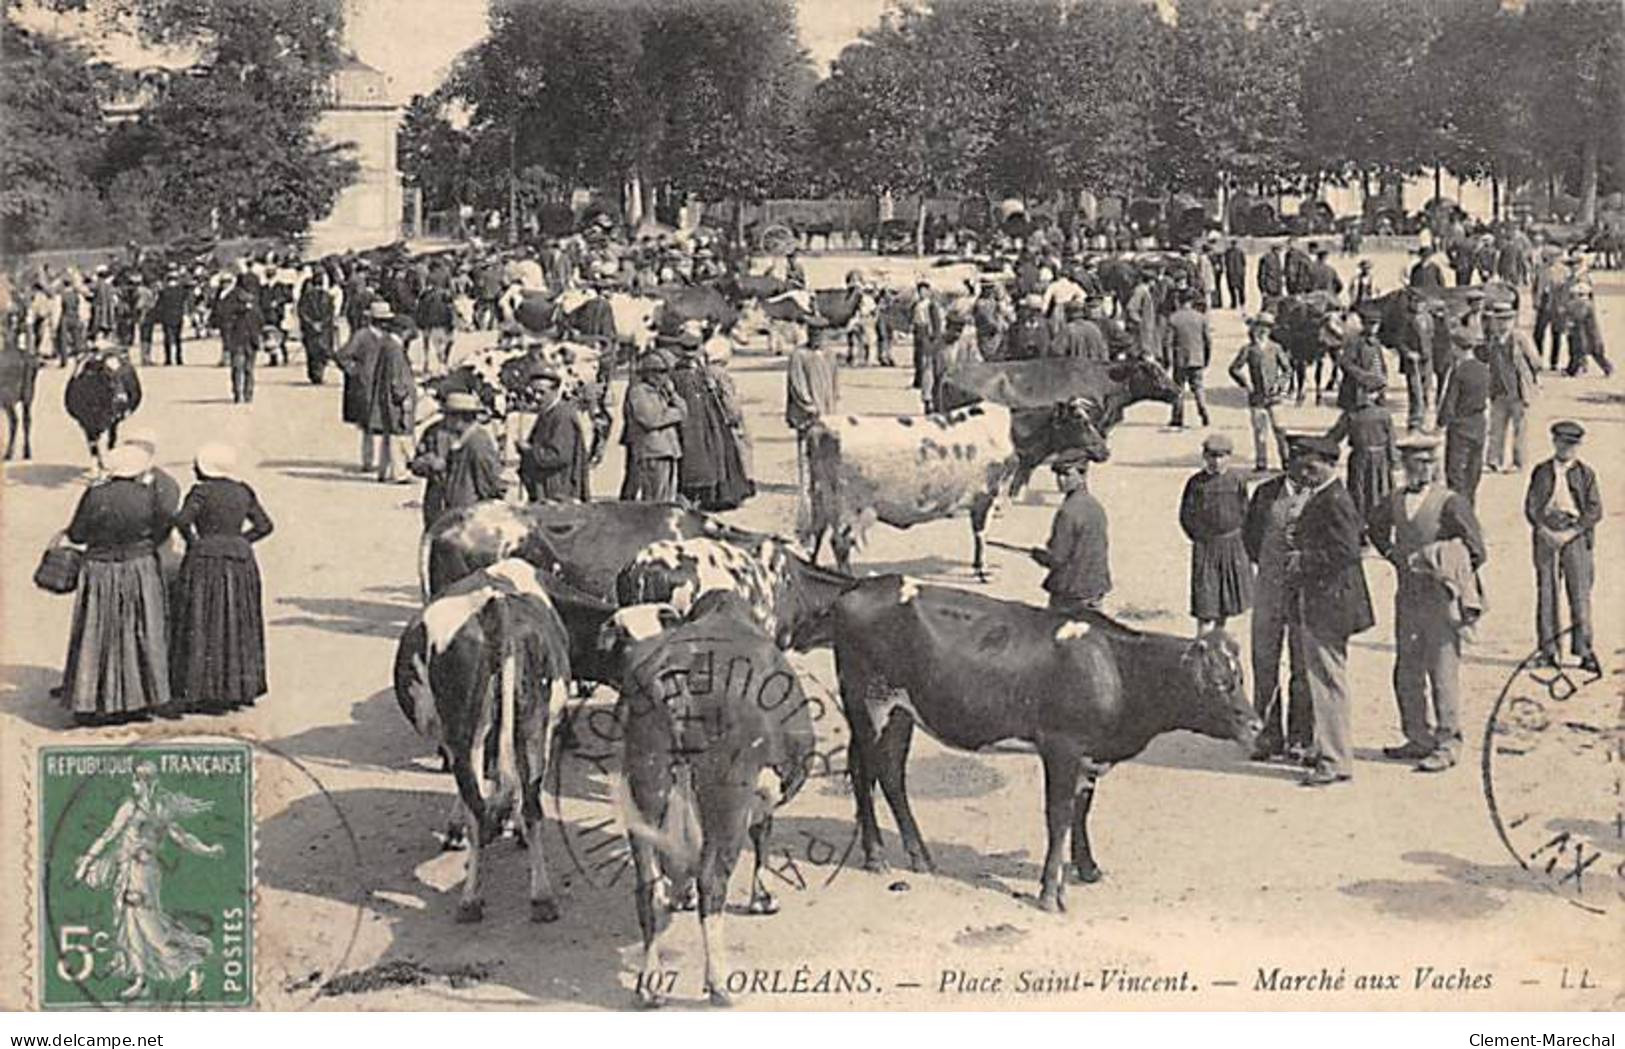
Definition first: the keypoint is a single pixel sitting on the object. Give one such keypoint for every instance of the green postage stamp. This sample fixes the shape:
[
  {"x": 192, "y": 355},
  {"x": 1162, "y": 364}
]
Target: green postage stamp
[{"x": 146, "y": 876}]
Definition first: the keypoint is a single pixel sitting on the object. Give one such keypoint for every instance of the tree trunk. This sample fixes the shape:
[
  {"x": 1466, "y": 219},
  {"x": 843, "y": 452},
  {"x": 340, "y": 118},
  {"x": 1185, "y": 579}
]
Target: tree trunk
[
  {"x": 1588, "y": 181},
  {"x": 919, "y": 227},
  {"x": 1224, "y": 204},
  {"x": 1495, "y": 197},
  {"x": 739, "y": 226},
  {"x": 1438, "y": 181}
]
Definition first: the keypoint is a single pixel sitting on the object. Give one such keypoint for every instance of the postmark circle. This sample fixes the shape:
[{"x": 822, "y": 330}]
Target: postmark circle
[{"x": 1553, "y": 768}]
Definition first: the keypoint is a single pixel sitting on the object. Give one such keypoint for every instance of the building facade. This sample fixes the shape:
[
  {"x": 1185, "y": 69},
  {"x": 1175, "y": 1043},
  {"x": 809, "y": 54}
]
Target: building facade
[{"x": 362, "y": 113}]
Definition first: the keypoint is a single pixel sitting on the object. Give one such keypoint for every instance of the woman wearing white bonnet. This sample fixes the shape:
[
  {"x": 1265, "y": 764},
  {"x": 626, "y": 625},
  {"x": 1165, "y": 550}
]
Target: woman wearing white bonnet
[{"x": 218, "y": 647}]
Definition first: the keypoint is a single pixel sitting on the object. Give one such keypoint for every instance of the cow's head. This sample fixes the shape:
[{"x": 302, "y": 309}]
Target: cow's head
[
  {"x": 1142, "y": 379},
  {"x": 1219, "y": 688},
  {"x": 1075, "y": 425},
  {"x": 636, "y": 623}
]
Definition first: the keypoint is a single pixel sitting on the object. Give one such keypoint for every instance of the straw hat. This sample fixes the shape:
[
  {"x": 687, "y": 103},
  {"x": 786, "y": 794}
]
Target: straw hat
[
  {"x": 127, "y": 460},
  {"x": 216, "y": 460}
]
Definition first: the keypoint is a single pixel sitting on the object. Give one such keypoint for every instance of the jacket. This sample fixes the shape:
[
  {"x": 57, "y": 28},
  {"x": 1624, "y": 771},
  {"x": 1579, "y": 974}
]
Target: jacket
[
  {"x": 1188, "y": 339},
  {"x": 1513, "y": 367},
  {"x": 553, "y": 459},
  {"x": 1465, "y": 396},
  {"x": 1329, "y": 590},
  {"x": 812, "y": 388},
  {"x": 1077, "y": 554},
  {"x": 1271, "y": 274},
  {"x": 1263, "y": 370},
  {"x": 654, "y": 422},
  {"x": 1582, "y": 486}
]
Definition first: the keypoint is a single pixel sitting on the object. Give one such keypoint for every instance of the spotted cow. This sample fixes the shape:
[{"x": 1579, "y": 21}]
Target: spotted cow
[
  {"x": 907, "y": 469},
  {"x": 483, "y": 672},
  {"x": 789, "y": 597}
]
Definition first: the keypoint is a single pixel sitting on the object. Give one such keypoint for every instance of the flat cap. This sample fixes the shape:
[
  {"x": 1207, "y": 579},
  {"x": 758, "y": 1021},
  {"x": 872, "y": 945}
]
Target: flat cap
[
  {"x": 461, "y": 402},
  {"x": 1068, "y": 459},
  {"x": 1263, "y": 318},
  {"x": 1475, "y": 294},
  {"x": 1365, "y": 264},
  {"x": 1568, "y": 430},
  {"x": 1319, "y": 447},
  {"x": 654, "y": 361},
  {"x": 1219, "y": 443},
  {"x": 1418, "y": 442},
  {"x": 1501, "y": 311}
]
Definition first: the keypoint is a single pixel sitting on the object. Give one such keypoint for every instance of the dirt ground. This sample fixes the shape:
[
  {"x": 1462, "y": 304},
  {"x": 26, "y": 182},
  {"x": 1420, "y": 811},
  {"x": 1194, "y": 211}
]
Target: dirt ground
[{"x": 1217, "y": 870}]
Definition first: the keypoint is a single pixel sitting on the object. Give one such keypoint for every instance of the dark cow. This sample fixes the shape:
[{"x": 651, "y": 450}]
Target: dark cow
[
  {"x": 1390, "y": 315},
  {"x": 1298, "y": 322},
  {"x": 484, "y": 673},
  {"x": 1110, "y": 388},
  {"x": 18, "y": 372},
  {"x": 584, "y": 544},
  {"x": 904, "y": 469},
  {"x": 745, "y": 287},
  {"x": 716, "y": 738},
  {"x": 683, "y": 303},
  {"x": 536, "y": 312},
  {"x": 103, "y": 391},
  {"x": 973, "y": 671},
  {"x": 789, "y": 596}
]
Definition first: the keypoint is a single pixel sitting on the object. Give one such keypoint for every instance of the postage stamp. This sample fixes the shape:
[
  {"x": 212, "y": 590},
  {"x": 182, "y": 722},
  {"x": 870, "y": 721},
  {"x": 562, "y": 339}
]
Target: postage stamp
[{"x": 146, "y": 876}]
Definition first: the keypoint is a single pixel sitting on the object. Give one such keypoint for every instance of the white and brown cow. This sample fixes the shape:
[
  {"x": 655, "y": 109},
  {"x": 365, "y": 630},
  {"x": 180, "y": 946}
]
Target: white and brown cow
[
  {"x": 483, "y": 672},
  {"x": 717, "y": 733},
  {"x": 788, "y": 596},
  {"x": 905, "y": 469}
]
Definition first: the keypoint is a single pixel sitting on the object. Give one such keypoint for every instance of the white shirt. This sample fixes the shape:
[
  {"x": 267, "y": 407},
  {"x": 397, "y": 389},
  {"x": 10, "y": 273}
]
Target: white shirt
[{"x": 1562, "y": 497}]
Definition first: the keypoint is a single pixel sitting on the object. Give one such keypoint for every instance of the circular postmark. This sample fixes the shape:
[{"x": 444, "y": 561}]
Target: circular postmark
[
  {"x": 1554, "y": 779},
  {"x": 147, "y": 885},
  {"x": 694, "y": 682}
]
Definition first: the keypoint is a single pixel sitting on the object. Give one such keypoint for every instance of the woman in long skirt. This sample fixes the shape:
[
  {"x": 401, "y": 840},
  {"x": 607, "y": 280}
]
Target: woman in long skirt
[
  {"x": 1212, "y": 510},
  {"x": 219, "y": 626},
  {"x": 1373, "y": 456},
  {"x": 118, "y": 657}
]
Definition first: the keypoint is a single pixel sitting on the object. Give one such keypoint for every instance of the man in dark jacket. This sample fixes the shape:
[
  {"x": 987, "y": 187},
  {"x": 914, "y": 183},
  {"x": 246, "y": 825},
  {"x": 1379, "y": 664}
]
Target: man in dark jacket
[
  {"x": 1271, "y": 276},
  {"x": 1321, "y": 276},
  {"x": 654, "y": 420},
  {"x": 1078, "y": 556},
  {"x": 240, "y": 328},
  {"x": 1272, "y": 513},
  {"x": 553, "y": 459},
  {"x": 174, "y": 299},
  {"x": 1081, "y": 337},
  {"x": 1297, "y": 268},
  {"x": 316, "y": 326},
  {"x": 1463, "y": 406},
  {"x": 434, "y": 318},
  {"x": 1235, "y": 273},
  {"x": 473, "y": 465},
  {"x": 1426, "y": 273},
  {"x": 1564, "y": 517},
  {"x": 1330, "y": 602},
  {"x": 1186, "y": 349}
]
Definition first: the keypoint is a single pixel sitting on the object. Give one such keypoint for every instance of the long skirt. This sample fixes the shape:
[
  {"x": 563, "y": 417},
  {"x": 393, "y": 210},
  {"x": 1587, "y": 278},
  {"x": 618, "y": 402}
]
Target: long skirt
[
  {"x": 1221, "y": 577},
  {"x": 219, "y": 633},
  {"x": 1370, "y": 479},
  {"x": 118, "y": 658}
]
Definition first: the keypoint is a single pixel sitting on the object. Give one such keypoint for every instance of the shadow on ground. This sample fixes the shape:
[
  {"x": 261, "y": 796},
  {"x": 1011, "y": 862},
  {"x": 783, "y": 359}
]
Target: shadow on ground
[
  {"x": 347, "y": 615},
  {"x": 42, "y": 475}
]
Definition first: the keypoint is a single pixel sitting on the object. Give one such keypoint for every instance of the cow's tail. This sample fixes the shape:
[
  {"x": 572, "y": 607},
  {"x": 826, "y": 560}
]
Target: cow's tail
[
  {"x": 678, "y": 838},
  {"x": 509, "y": 654},
  {"x": 815, "y": 504}
]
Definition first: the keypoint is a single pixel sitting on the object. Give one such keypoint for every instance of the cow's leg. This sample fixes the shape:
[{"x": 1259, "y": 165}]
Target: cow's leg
[
  {"x": 717, "y": 859},
  {"x": 892, "y": 760},
  {"x": 11, "y": 428},
  {"x": 978, "y": 524},
  {"x": 1299, "y": 367},
  {"x": 1083, "y": 859},
  {"x": 654, "y": 915},
  {"x": 1060, "y": 788},
  {"x": 544, "y": 905},
  {"x": 861, "y": 761},
  {"x": 761, "y": 900},
  {"x": 456, "y": 836},
  {"x": 841, "y": 542},
  {"x": 28, "y": 424},
  {"x": 470, "y": 908}
]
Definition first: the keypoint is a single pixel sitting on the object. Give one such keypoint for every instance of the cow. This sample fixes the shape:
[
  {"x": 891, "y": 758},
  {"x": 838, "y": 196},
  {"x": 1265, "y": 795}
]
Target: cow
[
  {"x": 1110, "y": 388},
  {"x": 1298, "y": 322},
  {"x": 907, "y": 469},
  {"x": 788, "y": 595},
  {"x": 103, "y": 391},
  {"x": 972, "y": 671},
  {"x": 683, "y": 303},
  {"x": 1390, "y": 315},
  {"x": 717, "y": 734},
  {"x": 19, "y": 369},
  {"x": 584, "y": 544},
  {"x": 483, "y": 672}
]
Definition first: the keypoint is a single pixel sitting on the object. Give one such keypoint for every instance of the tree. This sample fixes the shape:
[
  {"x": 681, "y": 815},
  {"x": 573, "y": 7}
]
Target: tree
[{"x": 53, "y": 130}]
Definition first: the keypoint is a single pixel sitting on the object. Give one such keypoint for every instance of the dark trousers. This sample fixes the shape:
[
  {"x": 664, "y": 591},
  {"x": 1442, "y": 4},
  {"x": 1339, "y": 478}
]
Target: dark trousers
[
  {"x": 1416, "y": 391},
  {"x": 1464, "y": 458},
  {"x": 1192, "y": 378},
  {"x": 1582, "y": 347},
  {"x": 242, "y": 377},
  {"x": 1271, "y": 632},
  {"x": 1544, "y": 320},
  {"x": 1238, "y": 292},
  {"x": 1573, "y": 566},
  {"x": 657, "y": 480},
  {"x": 172, "y": 343},
  {"x": 148, "y": 322}
]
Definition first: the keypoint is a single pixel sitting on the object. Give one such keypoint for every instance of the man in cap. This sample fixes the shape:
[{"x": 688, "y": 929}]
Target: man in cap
[
  {"x": 1077, "y": 555},
  {"x": 1585, "y": 333},
  {"x": 1266, "y": 533},
  {"x": 1432, "y": 538},
  {"x": 1140, "y": 316},
  {"x": 1330, "y": 602},
  {"x": 1212, "y": 510},
  {"x": 1263, "y": 369},
  {"x": 1416, "y": 343},
  {"x": 553, "y": 458},
  {"x": 928, "y": 324},
  {"x": 242, "y": 325},
  {"x": 1514, "y": 367},
  {"x": 1271, "y": 277},
  {"x": 1463, "y": 407},
  {"x": 653, "y": 430},
  {"x": 1551, "y": 274},
  {"x": 1082, "y": 337},
  {"x": 1235, "y": 273},
  {"x": 795, "y": 274},
  {"x": 174, "y": 300},
  {"x": 1364, "y": 289},
  {"x": 811, "y": 391},
  {"x": 1298, "y": 267},
  {"x": 1321, "y": 275},
  {"x": 1426, "y": 273},
  {"x": 1563, "y": 506},
  {"x": 1029, "y": 338},
  {"x": 1363, "y": 367},
  {"x": 1187, "y": 348}
]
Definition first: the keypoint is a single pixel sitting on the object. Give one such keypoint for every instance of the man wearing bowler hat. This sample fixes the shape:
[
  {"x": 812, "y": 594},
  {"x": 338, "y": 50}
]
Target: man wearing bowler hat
[
  {"x": 1329, "y": 601},
  {"x": 1077, "y": 554},
  {"x": 1563, "y": 506},
  {"x": 654, "y": 421},
  {"x": 1514, "y": 367},
  {"x": 1432, "y": 538},
  {"x": 1272, "y": 515}
]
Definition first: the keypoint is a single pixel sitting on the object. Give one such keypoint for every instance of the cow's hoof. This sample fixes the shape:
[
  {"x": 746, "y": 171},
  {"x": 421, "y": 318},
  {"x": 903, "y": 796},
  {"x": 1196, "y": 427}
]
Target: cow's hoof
[
  {"x": 1050, "y": 903},
  {"x": 647, "y": 999},
  {"x": 875, "y": 865},
  {"x": 544, "y": 910},
  {"x": 687, "y": 900},
  {"x": 763, "y": 903},
  {"x": 719, "y": 998},
  {"x": 1089, "y": 875},
  {"x": 470, "y": 912},
  {"x": 453, "y": 842},
  {"x": 922, "y": 865}
]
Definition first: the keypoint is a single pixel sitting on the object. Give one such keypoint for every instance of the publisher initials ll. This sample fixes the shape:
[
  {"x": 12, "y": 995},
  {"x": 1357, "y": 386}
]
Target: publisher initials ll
[{"x": 1584, "y": 983}]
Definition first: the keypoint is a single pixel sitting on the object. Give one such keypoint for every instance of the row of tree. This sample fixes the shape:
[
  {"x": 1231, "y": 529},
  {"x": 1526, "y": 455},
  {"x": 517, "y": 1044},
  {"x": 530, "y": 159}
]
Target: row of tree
[
  {"x": 223, "y": 146},
  {"x": 1031, "y": 98}
]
